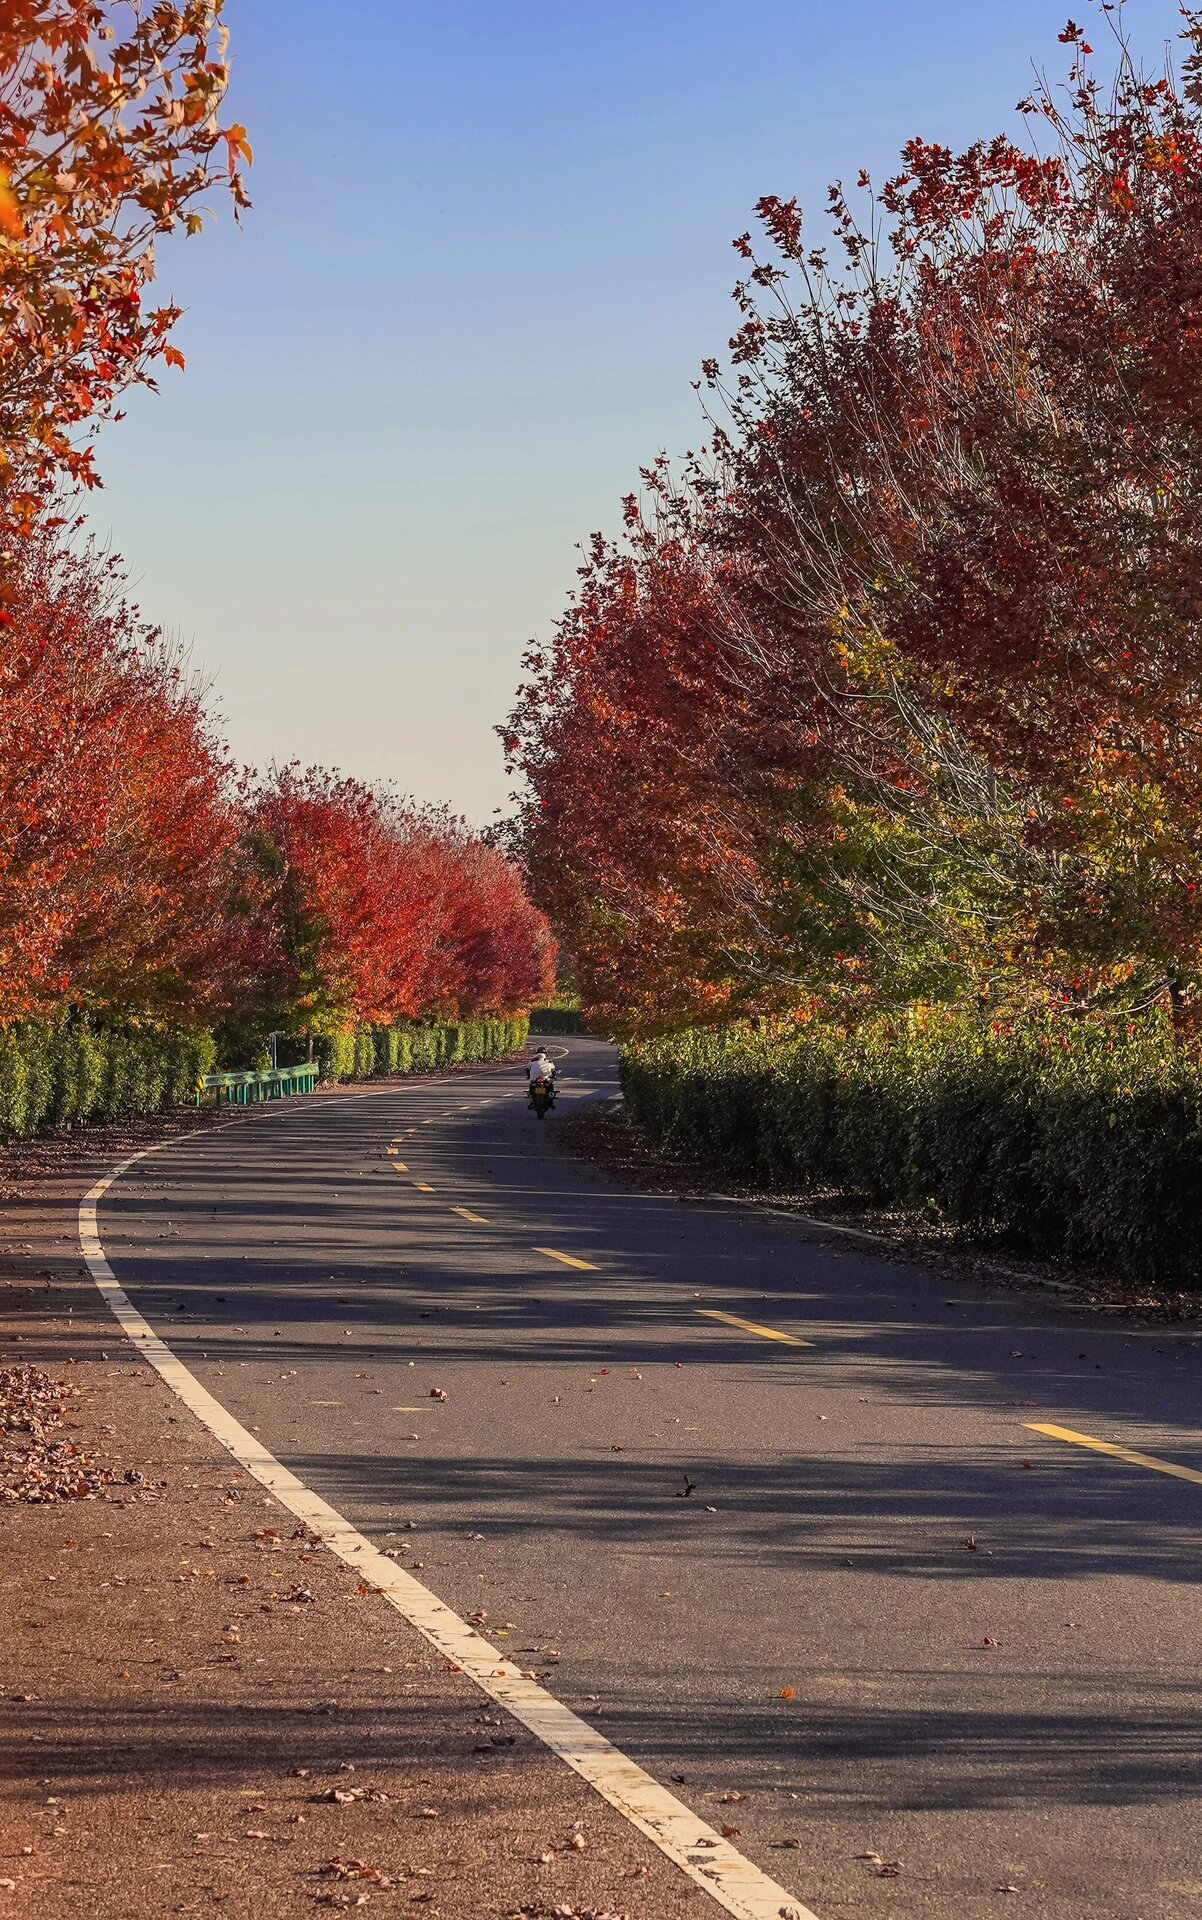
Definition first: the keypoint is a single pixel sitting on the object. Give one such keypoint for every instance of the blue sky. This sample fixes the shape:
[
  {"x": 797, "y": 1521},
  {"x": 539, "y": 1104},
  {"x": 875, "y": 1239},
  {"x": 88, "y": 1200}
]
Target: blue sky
[{"x": 489, "y": 248}]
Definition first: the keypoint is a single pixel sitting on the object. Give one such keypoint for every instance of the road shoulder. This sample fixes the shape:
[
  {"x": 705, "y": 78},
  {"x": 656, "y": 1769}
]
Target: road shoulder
[
  {"x": 203, "y": 1711},
  {"x": 606, "y": 1136}
]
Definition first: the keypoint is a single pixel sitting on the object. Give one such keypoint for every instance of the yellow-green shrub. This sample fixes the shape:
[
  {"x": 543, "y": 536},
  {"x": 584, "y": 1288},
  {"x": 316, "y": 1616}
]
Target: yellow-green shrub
[{"x": 59, "y": 1073}]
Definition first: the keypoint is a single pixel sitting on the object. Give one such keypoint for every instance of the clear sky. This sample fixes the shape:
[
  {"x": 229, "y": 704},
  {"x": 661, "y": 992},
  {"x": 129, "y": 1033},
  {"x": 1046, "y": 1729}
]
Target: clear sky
[{"x": 489, "y": 249}]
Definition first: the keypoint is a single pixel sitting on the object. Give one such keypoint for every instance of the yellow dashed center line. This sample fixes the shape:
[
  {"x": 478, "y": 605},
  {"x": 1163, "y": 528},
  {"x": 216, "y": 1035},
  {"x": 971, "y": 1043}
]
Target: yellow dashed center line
[
  {"x": 750, "y": 1326},
  {"x": 1132, "y": 1458},
  {"x": 422, "y": 1188},
  {"x": 400, "y": 1166},
  {"x": 465, "y": 1213},
  {"x": 568, "y": 1259}
]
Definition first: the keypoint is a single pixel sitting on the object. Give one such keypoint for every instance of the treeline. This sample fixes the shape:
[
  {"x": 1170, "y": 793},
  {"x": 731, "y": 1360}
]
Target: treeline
[
  {"x": 159, "y": 908},
  {"x": 892, "y": 694},
  {"x": 887, "y": 702},
  {"x": 145, "y": 883}
]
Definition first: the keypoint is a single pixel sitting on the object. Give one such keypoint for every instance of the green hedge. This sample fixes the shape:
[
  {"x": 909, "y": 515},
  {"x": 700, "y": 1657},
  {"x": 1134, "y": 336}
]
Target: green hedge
[
  {"x": 368, "y": 1053},
  {"x": 1058, "y": 1140},
  {"x": 58, "y": 1073},
  {"x": 557, "y": 1020}
]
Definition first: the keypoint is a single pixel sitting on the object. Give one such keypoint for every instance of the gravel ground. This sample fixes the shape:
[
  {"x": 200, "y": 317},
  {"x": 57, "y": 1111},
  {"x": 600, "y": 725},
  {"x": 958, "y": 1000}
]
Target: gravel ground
[{"x": 199, "y": 1710}]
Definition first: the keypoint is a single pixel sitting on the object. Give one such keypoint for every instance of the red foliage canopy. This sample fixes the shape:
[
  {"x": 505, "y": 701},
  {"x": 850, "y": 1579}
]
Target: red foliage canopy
[
  {"x": 139, "y": 878},
  {"x": 898, "y": 683},
  {"x": 383, "y": 911},
  {"x": 118, "y": 831}
]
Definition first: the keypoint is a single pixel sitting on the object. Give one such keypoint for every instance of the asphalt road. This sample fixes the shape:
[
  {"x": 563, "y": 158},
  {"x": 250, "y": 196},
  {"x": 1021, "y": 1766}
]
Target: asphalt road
[{"x": 830, "y": 1588}]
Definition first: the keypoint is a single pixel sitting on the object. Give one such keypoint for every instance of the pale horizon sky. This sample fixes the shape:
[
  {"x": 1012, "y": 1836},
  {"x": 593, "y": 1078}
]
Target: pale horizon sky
[{"x": 490, "y": 247}]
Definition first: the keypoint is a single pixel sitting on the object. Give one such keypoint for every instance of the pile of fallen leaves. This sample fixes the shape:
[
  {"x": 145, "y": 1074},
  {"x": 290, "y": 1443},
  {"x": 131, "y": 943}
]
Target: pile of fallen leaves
[
  {"x": 566, "y": 1911},
  {"x": 38, "y": 1459}
]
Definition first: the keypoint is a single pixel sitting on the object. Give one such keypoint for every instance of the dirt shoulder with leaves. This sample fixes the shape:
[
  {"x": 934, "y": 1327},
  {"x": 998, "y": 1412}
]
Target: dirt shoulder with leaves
[
  {"x": 606, "y": 1134},
  {"x": 201, "y": 1712}
]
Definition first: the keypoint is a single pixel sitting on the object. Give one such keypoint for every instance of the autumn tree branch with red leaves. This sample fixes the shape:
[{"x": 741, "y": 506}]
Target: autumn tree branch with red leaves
[{"x": 110, "y": 137}]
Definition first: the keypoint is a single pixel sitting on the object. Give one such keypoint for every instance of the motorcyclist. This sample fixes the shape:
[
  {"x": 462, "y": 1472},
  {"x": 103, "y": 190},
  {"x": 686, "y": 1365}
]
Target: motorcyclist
[{"x": 542, "y": 1067}]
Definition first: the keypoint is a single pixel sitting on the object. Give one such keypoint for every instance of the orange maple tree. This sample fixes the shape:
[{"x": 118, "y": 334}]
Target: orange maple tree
[{"x": 110, "y": 135}]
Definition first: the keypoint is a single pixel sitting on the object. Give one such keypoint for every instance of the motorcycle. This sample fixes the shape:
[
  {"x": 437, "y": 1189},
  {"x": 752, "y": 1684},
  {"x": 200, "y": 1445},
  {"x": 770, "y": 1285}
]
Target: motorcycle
[{"x": 542, "y": 1095}]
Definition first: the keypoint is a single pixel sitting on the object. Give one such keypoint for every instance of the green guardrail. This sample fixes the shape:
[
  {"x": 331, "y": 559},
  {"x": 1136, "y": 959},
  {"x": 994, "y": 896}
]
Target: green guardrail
[{"x": 244, "y": 1089}]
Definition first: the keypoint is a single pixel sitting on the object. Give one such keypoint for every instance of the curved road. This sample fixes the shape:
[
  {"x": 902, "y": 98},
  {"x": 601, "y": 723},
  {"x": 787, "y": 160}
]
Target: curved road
[{"x": 771, "y": 1508}]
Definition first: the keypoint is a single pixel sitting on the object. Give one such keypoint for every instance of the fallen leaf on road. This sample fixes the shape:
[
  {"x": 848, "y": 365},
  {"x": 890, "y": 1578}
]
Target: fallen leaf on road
[
  {"x": 351, "y": 1869},
  {"x": 729, "y": 1833}
]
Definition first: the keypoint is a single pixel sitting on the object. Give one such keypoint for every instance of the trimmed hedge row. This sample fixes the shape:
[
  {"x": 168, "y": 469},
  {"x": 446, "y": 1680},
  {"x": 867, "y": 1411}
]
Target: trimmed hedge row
[
  {"x": 1059, "y": 1141},
  {"x": 557, "y": 1020},
  {"x": 369, "y": 1053},
  {"x": 56, "y": 1074}
]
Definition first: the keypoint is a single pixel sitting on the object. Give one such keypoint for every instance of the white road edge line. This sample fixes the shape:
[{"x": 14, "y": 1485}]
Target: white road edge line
[{"x": 734, "y": 1882}]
